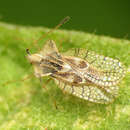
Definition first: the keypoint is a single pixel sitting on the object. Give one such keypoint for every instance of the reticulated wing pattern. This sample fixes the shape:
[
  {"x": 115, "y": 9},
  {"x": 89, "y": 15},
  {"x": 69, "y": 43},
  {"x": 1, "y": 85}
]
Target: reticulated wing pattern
[
  {"x": 112, "y": 71},
  {"x": 91, "y": 93}
]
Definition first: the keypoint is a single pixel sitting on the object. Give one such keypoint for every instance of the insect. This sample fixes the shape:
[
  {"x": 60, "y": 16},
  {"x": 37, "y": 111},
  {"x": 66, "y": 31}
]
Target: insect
[{"x": 79, "y": 72}]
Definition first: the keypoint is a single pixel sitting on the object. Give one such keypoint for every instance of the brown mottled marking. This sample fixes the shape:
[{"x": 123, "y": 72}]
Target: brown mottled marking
[
  {"x": 82, "y": 64},
  {"x": 64, "y": 75},
  {"x": 77, "y": 79}
]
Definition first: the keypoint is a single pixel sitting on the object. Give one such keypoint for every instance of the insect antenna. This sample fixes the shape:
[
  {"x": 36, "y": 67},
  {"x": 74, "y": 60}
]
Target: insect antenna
[
  {"x": 66, "y": 19},
  {"x": 19, "y": 80},
  {"x": 13, "y": 81}
]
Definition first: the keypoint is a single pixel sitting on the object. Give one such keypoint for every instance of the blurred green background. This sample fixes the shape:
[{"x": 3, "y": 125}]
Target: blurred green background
[{"x": 105, "y": 17}]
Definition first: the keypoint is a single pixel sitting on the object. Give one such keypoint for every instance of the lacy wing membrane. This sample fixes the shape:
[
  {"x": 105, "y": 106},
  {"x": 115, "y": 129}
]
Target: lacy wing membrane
[
  {"x": 91, "y": 93},
  {"x": 103, "y": 71}
]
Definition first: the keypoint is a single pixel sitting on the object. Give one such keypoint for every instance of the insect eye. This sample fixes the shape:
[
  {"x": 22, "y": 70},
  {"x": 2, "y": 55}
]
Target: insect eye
[{"x": 28, "y": 51}]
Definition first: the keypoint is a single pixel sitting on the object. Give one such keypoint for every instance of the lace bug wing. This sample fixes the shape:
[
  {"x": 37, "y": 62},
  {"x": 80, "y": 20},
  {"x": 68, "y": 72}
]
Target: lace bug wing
[
  {"x": 91, "y": 93},
  {"x": 104, "y": 71},
  {"x": 105, "y": 74}
]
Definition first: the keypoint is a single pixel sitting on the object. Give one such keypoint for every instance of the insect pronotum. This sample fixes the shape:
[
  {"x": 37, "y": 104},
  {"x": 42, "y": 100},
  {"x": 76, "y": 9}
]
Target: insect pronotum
[{"x": 79, "y": 72}]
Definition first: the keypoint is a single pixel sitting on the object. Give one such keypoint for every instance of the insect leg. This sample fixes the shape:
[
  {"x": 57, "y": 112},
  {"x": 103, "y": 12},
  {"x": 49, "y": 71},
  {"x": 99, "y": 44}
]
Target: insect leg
[
  {"x": 92, "y": 61},
  {"x": 53, "y": 100},
  {"x": 76, "y": 53},
  {"x": 43, "y": 86},
  {"x": 86, "y": 55}
]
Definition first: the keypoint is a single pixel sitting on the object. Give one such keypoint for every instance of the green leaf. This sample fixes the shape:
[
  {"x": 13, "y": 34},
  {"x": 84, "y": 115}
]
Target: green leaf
[{"x": 27, "y": 105}]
